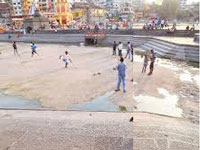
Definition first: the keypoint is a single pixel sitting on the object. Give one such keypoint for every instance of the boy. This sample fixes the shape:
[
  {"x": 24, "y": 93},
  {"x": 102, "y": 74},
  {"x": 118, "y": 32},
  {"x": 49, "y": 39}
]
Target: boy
[
  {"x": 121, "y": 75},
  {"x": 15, "y": 48},
  {"x": 65, "y": 58},
  {"x": 33, "y": 47}
]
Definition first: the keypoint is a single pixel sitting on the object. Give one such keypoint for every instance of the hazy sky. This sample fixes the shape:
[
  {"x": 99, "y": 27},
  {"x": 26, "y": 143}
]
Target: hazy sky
[{"x": 188, "y": 1}]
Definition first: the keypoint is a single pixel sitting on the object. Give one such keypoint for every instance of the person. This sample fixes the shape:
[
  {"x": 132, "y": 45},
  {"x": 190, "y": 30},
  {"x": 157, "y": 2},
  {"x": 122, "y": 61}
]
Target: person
[
  {"x": 33, "y": 47},
  {"x": 121, "y": 75},
  {"x": 146, "y": 59},
  {"x": 132, "y": 52},
  {"x": 153, "y": 58},
  {"x": 65, "y": 58},
  {"x": 15, "y": 48},
  {"x": 188, "y": 28},
  {"x": 120, "y": 47},
  {"x": 114, "y": 48},
  {"x": 192, "y": 28},
  {"x": 128, "y": 50},
  {"x": 162, "y": 23}
]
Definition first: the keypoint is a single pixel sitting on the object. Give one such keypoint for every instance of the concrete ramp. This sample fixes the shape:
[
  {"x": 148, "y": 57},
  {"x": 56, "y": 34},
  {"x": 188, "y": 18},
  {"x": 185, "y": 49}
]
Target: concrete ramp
[{"x": 73, "y": 130}]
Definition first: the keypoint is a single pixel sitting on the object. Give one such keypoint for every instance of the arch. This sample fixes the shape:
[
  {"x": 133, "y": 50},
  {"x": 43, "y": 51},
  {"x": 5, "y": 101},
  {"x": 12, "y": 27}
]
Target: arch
[{"x": 29, "y": 29}]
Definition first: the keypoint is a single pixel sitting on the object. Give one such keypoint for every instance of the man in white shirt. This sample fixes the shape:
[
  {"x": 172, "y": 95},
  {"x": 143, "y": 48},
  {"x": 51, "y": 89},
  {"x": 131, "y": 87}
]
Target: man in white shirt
[{"x": 120, "y": 47}]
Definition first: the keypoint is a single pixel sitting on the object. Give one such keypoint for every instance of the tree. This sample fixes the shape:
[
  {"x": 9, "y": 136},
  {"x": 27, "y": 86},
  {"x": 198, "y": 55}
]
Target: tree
[{"x": 169, "y": 9}]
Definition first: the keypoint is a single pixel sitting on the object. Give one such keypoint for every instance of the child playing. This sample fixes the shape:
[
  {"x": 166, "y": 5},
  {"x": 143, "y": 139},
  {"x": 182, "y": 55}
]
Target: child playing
[
  {"x": 65, "y": 58},
  {"x": 33, "y": 47}
]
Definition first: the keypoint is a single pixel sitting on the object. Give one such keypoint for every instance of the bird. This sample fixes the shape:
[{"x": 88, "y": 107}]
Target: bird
[{"x": 131, "y": 120}]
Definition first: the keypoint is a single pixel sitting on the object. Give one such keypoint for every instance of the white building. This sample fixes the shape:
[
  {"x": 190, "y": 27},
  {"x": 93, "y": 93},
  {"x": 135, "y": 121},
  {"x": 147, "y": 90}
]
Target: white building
[
  {"x": 17, "y": 7},
  {"x": 182, "y": 4}
]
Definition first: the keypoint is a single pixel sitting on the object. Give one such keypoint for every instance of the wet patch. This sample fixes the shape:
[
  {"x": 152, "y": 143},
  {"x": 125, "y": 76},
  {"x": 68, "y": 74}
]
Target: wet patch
[
  {"x": 99, "y": 104},
  {"x": 164, "y": 106},
  {"x": 17, "y": 102}
]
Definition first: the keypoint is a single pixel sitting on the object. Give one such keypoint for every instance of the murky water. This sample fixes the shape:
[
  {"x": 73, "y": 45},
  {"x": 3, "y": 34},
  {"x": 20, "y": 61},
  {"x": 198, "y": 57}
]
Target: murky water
[
  {"x": 99, "y": 104},
  {"x": 17, "y": 102},
  {"x": 164, "y": 106}
]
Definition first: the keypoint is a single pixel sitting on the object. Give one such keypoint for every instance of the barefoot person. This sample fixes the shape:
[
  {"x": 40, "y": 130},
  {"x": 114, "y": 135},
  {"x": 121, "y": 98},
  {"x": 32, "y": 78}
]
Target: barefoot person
[
  {"x": 15, "y": 48},
  {"x": 65, "y": 58},
  {"x": 146, "y": 60},
  {"x": 121, "y": 75},
  {"x": 34, "y": 47},
  {"x": 153, "y": 58}
]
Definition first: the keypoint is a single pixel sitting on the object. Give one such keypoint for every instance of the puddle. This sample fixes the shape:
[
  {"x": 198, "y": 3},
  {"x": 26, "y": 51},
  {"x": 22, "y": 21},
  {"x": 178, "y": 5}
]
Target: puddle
[
  {"x": 164, "y": 106},
  {"x": 99, "y": 104},
  {"x": 17, "y": 102},
  {"x": 186, "y": 76}
]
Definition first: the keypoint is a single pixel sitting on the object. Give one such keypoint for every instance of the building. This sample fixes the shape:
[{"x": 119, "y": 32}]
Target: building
[
  {"x": 17, "y": 7},
  {"x": 183, "y": 4},
  {"x": 6, "y": 1},
  {"x": 63, "y": 14},
  {"x": 37, "y": 22},
  {"x": 46, "y": 6},
  {"x": 89, "y": 12},
  {"x": 138, "y": 4},
  {"x": 26, "y": 5},
  {"x": 5, "y": 15}
]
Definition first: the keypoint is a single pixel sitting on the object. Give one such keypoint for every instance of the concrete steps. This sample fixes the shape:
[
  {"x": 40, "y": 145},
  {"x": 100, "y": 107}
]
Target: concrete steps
[{"x": 171, "y": 50}]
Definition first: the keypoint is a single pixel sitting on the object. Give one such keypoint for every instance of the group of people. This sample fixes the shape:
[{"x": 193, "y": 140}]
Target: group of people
[
  {"x": 121, "y": 67},
  {"x": 155, "y": 23},
  {"x": 33, "y": 49},
  {"x": 119, "y": 47}
]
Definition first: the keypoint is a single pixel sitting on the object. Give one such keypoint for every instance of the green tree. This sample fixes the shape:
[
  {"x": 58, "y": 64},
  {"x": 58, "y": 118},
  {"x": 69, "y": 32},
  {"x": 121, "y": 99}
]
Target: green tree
[{"x": 169, "y": 9}]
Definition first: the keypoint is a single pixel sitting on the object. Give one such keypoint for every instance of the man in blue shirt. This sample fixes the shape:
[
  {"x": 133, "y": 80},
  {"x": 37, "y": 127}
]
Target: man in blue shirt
[{"x": 121, "y": 75}]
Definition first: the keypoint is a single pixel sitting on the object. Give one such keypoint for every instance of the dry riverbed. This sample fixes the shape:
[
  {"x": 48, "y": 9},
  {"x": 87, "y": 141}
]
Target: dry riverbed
[{"x": 172, "y": 90}]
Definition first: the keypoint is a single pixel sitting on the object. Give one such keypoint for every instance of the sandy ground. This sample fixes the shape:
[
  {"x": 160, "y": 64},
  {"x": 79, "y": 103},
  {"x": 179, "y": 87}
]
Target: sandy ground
[{"x": 44, "y": 78}]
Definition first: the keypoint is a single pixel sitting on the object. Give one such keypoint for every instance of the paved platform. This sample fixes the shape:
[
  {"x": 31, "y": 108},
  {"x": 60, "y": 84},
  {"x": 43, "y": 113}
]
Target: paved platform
[{"x": 71, "y": 130}]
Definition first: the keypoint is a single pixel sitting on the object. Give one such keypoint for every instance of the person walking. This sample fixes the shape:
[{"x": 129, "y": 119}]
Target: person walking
[
  {"x": 114, "y": 48},
  {"x": 120, "y": 47},
  {"x": 128, "y": 50},
  {"x": 121, "y": 68},
  {"x": 15, "y": 49},
  {"x": 153, "y": 58}
]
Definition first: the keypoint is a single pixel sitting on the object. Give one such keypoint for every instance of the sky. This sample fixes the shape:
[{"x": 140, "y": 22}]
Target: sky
[{"x": 188, "y": 1}]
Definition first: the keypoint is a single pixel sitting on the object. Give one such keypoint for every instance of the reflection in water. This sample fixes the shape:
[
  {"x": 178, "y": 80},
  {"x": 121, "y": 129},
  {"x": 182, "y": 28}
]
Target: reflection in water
[
  {"x": 98, "y": 104},
  {"x": 16, "y": 102},
  {"x": 165, "y": 106}
]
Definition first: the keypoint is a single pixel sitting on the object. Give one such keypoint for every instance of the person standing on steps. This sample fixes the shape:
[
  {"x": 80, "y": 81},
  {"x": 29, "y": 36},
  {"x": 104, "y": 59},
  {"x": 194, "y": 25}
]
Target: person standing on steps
[
  {"x": 120, "y": 47},
  {"x": 15, "y": 49},
  {"x": 128, "y": 50},
  {"x": 153, "y": 58},
  {"x": 114, "y": 48},
  {"x": 121, "y": 68}
]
